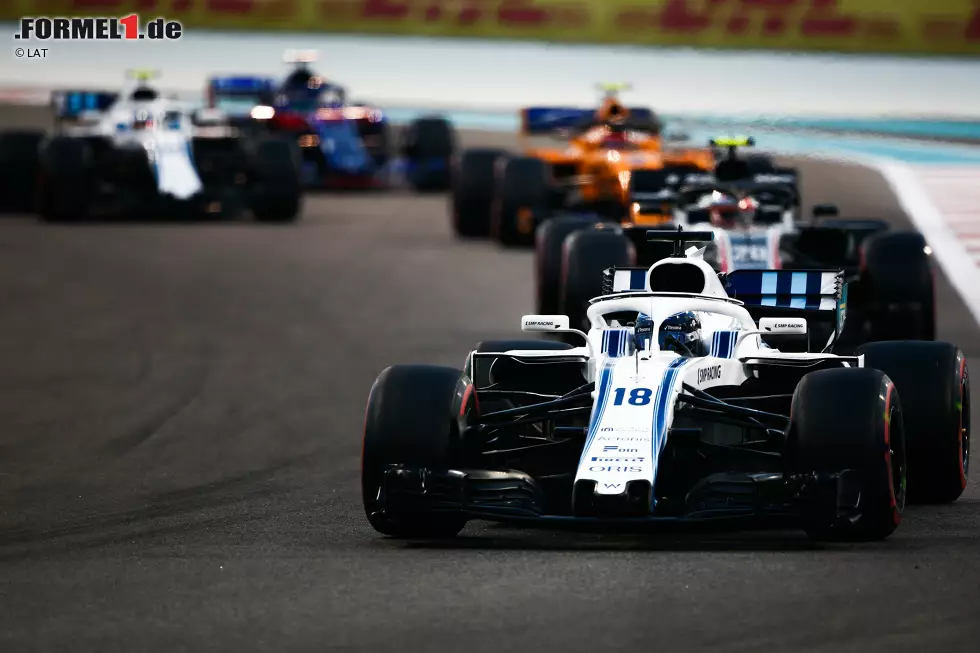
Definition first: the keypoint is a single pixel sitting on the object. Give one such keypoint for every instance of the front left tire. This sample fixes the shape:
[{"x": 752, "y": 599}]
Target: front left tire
[{"x": 411, "y": 419}]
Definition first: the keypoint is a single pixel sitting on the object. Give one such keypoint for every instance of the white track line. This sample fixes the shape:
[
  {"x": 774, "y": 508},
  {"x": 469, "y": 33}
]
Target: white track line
[{"x": 949, "y": 248}]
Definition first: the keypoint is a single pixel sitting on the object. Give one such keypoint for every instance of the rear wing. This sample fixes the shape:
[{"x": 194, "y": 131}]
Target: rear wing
[
  {"x": 537, "y": 121},
  {"x": 810, "y": 290},
  {"x": 817, "y": 295},
  {"x": 780, "y": 182},
  {"x": 258, "y": 90},
  {"x": 70, "y": 104},
  {"x": 820, "y": 296}
]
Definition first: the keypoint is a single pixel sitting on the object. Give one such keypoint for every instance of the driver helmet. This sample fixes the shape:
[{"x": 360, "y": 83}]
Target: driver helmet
[
  {"x": 142, "y": 120},
  {"x": 612, "y": 111},
  {"x": 679, "y": 333},
  {"x": 728, "y": 212}
]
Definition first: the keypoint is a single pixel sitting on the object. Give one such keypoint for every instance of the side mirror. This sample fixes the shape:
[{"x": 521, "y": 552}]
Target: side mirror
[
  {"x": 825, "y": 211},
  {"x": 545, "y": 323},
  {"x": 783, "y": 325}
]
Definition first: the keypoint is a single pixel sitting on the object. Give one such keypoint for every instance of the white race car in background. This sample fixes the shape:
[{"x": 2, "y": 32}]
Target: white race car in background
[
  {"x": 749, "y": 219},
  {"x": 630, "y": 430},
  {"x": 138, "y": 153}
]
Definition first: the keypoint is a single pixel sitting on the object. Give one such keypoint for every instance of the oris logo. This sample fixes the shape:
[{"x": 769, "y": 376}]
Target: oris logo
[{"x": 709, "y": 374}]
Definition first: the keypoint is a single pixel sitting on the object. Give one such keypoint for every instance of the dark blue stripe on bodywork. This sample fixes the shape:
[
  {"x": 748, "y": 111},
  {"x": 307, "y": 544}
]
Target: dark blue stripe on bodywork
[
  {"x": 664, "y": 393},
  {"x": 605, "y": 381}
]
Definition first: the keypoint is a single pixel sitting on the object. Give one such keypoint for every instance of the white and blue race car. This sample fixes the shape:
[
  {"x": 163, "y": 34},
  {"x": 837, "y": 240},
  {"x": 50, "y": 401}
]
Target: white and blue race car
[
  {"x": 138, "y": 153},
  {"x": 756, "y": 224},
  {"x": 695, "y": 397}
]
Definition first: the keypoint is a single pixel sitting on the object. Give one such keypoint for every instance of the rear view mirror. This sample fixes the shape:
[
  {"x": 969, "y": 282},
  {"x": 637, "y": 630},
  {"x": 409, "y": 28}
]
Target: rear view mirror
[
  {"x": 544, "y": 323},
  {"x": 783, "y": 325}
]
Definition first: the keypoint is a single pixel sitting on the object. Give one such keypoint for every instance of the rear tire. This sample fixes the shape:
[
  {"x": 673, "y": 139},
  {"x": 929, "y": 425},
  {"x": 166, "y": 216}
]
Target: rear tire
[
  {"x": 277, "y": 188},
  {"x": 66, "y": 180},
  {"x": 474, "y": 181},
  {"x": 20, "y": 159},
  {"x": 548, "y": 246},
  {"x": 523, "y": 202},
  {"x": 934, "y": 382},
  {"x": 411, "y": 420},
  {"x": 585, "y": 256},
  {"x": 896, "y": 288},
  {"x": 851, "y": 419},
  {"x": 428, "y": 146}
]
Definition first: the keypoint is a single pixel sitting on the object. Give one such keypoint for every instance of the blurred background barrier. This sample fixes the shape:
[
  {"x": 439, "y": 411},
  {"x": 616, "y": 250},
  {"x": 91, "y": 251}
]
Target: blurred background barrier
[{"x": 911, "y": 27}]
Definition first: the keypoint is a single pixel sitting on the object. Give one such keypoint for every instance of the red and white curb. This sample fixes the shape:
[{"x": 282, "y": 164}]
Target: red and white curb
[{"x": 955, "y": 192}]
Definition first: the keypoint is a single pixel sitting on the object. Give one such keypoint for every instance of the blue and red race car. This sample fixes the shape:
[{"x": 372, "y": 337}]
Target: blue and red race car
[{"x": 342, "y": 144}]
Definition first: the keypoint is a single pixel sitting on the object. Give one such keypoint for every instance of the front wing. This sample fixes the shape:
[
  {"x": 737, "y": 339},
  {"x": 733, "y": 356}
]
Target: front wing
[{"x": 763, "y": 500}]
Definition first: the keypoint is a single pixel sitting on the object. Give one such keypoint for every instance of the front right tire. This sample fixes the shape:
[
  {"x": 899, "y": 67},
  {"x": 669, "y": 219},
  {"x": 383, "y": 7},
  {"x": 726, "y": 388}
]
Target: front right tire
[{"x": 850, "y": 419}]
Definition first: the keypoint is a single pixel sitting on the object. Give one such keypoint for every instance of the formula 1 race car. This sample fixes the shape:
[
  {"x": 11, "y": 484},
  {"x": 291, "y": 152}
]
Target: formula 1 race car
[
  {"x": 612, "y": 154},
  {"x": 136, "y": 153},
  {"x": 344, "y": 144},
  {"x": 756, "y": 225},
  {"x": 681, "y": 408}
]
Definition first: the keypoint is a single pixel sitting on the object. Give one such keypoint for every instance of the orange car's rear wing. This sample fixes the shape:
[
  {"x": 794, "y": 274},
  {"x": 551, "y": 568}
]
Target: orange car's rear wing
[{"x": 536, "y": 121}]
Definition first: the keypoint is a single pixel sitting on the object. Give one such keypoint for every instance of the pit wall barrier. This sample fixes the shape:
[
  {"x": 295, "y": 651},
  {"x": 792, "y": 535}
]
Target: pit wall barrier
[{"x": 909, "y": 27}]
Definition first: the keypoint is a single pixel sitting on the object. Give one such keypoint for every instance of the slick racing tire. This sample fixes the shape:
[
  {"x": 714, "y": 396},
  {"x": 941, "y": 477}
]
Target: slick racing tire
[
  {"x": 934, "y": 382},
  {"x": 376, "y": 137},
  {"x": 474, "y": 181},
  {"x": 585, "y": 256},
  {"x": 428, "y": 147},
  {"x": 411, "y": 419},
  {"x": 549, "y": 243},
  {"x": 523, "y": 201},
  {"x": 20, "y": 157},
  {"x": 897, "y": 290},
  {"x": 850, "y": 420},
  {"x": 276, "y": 184},
  {"x": 65, "y": 180}
]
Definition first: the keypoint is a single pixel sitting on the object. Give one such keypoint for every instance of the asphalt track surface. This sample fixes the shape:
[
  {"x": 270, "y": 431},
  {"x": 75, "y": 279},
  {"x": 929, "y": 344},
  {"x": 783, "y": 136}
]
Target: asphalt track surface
[{"x": 181, "y": 408}]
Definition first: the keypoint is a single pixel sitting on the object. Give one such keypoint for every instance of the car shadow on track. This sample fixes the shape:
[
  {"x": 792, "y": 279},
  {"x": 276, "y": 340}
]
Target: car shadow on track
[
  {"x": 925, "y": 527},
  {"x": 786, "y": 542}
]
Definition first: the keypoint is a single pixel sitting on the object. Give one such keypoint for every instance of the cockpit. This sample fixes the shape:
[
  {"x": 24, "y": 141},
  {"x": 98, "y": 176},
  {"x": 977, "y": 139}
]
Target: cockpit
[
  {"x": 618, "y": 140},
  {"x": 146, "y": 120},
  {"x": 304, "y": 91},
  {"x": 144, "y": 94}
]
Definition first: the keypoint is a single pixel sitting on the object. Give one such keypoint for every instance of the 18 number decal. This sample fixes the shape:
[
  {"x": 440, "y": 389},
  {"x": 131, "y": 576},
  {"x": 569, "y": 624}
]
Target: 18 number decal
[{"x": 637, "y": 396}]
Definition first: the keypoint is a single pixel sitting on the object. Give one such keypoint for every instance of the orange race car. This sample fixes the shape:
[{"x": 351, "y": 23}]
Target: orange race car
[{"x": 614, "y": 166}]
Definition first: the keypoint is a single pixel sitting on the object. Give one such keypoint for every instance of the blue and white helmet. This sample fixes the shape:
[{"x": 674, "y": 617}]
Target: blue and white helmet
[{"x": 680, "y": 333}]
